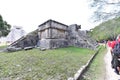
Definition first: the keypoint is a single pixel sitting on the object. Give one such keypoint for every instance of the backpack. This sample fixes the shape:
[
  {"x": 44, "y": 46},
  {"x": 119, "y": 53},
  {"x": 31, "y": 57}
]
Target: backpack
[{"x": 116, "y": 49}]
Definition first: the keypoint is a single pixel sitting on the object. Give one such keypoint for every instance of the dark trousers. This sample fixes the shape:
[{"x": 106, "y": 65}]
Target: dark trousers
[{"x": 115, "y": 62}]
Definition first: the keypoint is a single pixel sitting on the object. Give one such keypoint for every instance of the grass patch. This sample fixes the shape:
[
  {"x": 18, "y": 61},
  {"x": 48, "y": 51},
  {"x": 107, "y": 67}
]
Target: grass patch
[
  {"x": 58, "y": 64},
  {"x": 2, "y": 47},
  {"x": 96, "y": 71}
]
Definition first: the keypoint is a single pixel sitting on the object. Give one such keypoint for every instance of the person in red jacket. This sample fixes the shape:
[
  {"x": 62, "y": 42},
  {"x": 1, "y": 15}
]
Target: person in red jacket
[
  {"x": 112, "y": 45},
  {"x": 114, "y": 52},
  {"x": 108, "y": 43}
]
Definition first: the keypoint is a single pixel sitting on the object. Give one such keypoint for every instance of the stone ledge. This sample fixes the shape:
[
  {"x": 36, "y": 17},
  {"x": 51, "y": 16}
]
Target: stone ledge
[
  {"x": 29, "y": 47},
  {"x": 79, "y": 73}
]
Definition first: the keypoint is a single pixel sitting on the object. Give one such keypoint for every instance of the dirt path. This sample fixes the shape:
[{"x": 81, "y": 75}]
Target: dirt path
[{"x": 110, "y": 74}]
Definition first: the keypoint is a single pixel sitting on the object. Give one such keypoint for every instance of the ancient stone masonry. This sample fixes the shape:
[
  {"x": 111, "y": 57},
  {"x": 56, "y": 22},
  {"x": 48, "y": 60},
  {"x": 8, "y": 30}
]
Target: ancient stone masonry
[
  {"x": 15, "y": 33},
  {"x": 79, "y": 38},
  {"x": 25, "y": 42},
  {"x": 52, "y": 34}
]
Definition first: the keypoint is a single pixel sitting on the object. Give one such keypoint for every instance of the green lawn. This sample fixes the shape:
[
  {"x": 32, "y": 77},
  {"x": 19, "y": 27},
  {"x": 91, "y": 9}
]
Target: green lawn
[
  {"x": 58, "y": 64},
  {"x": 96, "y": 71},
  {"x": 2, "y": 47}
]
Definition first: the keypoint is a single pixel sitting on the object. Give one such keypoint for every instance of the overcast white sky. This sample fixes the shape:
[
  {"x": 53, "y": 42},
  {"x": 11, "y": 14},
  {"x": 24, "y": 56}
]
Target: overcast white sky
[{"x": 31, "y": 13}]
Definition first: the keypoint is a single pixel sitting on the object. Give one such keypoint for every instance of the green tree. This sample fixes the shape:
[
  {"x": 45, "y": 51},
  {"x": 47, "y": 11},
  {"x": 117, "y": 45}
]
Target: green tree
[
  {"x": 4, "y": 27},
  {"x": 107, "y": 30}
]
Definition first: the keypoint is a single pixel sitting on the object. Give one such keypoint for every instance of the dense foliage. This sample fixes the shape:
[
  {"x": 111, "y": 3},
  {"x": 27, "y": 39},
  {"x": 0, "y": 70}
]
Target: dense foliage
[
  {"x": 4, "y": 27},
  {"x": 107, "y": 30}
]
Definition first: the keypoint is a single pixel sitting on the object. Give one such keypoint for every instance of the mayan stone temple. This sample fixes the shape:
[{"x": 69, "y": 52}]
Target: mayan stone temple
[{"x": 52, "y": 34}]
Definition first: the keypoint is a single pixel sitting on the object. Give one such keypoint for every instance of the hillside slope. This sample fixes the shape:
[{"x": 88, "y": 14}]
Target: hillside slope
[{"x": 106, "y": 30}]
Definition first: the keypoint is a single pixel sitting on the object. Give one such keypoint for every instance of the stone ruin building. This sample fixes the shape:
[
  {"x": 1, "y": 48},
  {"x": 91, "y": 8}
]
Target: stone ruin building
[
  {"x": 52, "y": 34},
  {"x": 15, "y": 33}
]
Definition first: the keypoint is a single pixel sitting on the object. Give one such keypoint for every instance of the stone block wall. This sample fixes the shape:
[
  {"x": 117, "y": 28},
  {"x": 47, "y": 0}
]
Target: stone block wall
[
  {"x": 79, "y": 39},
  {"x": 52, "y": 34},
  {"x": 58, "y": 34},
  {"x": 53, "y": 43}
]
